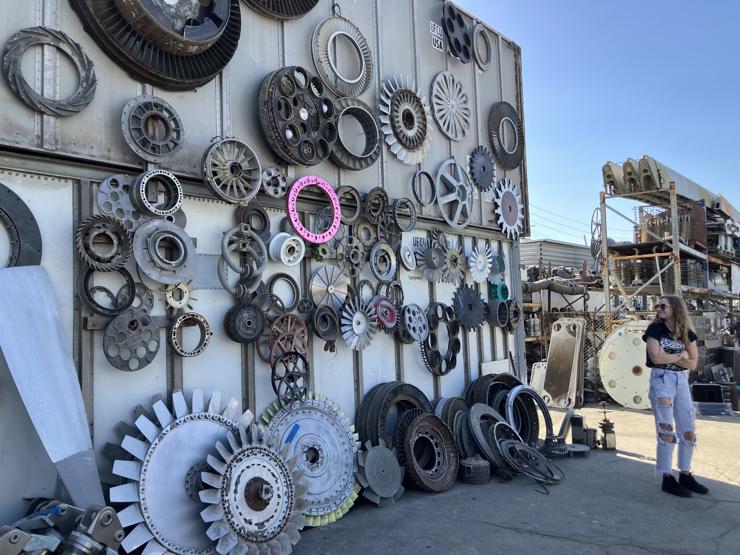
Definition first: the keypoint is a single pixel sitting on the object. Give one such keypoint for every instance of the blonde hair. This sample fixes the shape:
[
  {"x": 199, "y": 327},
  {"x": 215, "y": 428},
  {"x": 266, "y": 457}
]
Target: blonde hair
[{"x": 680, "y": 318}]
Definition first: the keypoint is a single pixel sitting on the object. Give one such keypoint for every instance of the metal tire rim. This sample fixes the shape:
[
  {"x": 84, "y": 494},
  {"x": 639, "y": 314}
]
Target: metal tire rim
[
  {"x": 415, "y": 323},
  {"x": 439, "y": 473},
  {"x": 454, "y": 193},
  {"x": 323, "y": 52},
  {"x": 232, "y": 171},
  {"x": 274, "y": 182},
  {"x": 143, "y": 120},
  {"x": 451, "y": 106},
  {"x": 13, "y": 52}
]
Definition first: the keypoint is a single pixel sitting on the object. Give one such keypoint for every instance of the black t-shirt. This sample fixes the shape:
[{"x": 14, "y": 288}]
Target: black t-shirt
[{"x": 672, "y": 346}]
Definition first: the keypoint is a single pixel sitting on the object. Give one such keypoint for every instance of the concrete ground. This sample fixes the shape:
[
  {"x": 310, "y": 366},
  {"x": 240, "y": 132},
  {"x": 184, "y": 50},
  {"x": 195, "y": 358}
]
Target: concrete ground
[{"x": 610, "y": 503}]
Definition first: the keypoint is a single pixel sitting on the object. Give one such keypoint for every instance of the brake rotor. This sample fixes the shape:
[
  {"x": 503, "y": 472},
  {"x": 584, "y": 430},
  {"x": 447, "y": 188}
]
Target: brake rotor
[
  {"x": 380, "y": 475},
  {"x": 482, "y": 168},
  {"x": 161, "y": 469},
  {"x": 454, "y": 192},
  {"x": 470, "y": 310},
  {"x": 282, "y": 9},
  {"x": 414, "y": 325},
  {"x": 329, "y": 286},
  {"x": 232, "y": 171},
  {"x": 358, "y": 324},
  {"x": 322, "y": 440},
  {"x": 131, "y": 340},
  {"x": 103, "y": 243},
  {"x": 451, "y": 106},
  {"x": 480, "y": 263},
  {"x": 438, "y": 362},
  {"x": 503, "y": 116},
  {"x": 255, "y": 495},
  {"x": 244, "y": 322},
  {"x": 509, "y": 208},
  {"x": 107, "y": 24},
  {"x": 323, "y": 49},
  {"x": 406, "y": 120},
  {"x": 433, "y": 460}
]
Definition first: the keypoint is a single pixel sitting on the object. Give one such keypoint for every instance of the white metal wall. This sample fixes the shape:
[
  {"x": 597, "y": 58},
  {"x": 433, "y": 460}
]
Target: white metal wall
[{"x": 55, "y": 164}]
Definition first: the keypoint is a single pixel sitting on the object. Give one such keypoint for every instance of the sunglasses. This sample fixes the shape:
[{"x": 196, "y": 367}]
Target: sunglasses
[{"x": 662, "y": 306}]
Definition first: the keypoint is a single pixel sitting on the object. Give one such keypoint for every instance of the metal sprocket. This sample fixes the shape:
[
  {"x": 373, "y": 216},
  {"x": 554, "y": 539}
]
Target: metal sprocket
[
  {"x": 482, "y": 168},
  {"x": 509, "y": 208},
  {"x": 469, "y": 308}
]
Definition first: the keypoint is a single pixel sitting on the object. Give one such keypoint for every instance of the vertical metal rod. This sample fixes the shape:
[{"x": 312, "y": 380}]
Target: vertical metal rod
[
  {"x": 605, "y": 264},
  {"x": 675, "y": 238}
]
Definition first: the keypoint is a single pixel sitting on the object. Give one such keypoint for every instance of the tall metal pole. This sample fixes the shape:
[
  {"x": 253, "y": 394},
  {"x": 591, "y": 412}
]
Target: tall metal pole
[
  {"x": 605, "y": 263},
  {"x": 675, "y": 238}
]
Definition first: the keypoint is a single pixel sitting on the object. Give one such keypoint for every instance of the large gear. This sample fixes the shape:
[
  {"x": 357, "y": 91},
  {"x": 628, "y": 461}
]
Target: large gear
[
  {"x": 359, "y": 324},
  {"x": 406, "y": 120},
  {"x": 255, "y": 495},
  {"x": 380, "y": 474},
  {"x": 470, "y": 310},
  {"x": 509, "y": 208},
  {"x": 103, "y": 243},
  {"x": 244, "y": 322},
  {"x": 454, "y": 192},
  {"x": 160, "y": 460},
  {"x": 482, "y": 168},
  {"x": 480, "y": 263},
  {"x": 322, "y": 440}
]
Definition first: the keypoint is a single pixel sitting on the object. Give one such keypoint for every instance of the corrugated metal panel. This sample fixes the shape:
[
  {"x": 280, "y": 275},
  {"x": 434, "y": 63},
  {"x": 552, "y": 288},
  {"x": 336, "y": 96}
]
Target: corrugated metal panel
[
  {"x": 89, "y": 147},
  {"x": 555, "y": 253}
]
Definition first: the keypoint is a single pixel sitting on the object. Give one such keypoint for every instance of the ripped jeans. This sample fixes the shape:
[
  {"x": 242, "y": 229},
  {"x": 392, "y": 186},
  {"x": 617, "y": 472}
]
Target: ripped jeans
[{"x": 671, "y": 399}]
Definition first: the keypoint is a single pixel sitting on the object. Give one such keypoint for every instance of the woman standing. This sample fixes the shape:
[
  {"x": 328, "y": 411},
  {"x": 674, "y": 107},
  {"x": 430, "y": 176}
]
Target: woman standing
[{"x": 671, "y": 353}]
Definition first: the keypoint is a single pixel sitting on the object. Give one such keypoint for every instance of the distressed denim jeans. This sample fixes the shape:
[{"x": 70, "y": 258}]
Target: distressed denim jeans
[{"x": 671, "y": 399}]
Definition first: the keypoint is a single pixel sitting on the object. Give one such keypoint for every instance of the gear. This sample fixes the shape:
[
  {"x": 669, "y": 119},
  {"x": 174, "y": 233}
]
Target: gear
[
  {"x": 509, "y": 208},
  {"x": 470, "y": 310},
  {"x": 359, "y": 324},
  {"x": 292, "y": 284},
  {"x": 454, "y": 192},
  {"x": 160, "y": 460},
  {"x": 322, "y": 440},
  {"x": 329, "y": 286},
  {"x": 380, "y": 474},
  {"x": 482, "y": 168},
  {"x": 480, "y": 263},
  {"x": 376, "y": 204},
  {"x": 103, "y": 243},
  {"x": 403, "y": 207},
  {"x": 431, "y": 352},
  {"x": 244, "y": 323},
  {"x": 255, "y": 496},
  {"x": 406, "y": 120}
]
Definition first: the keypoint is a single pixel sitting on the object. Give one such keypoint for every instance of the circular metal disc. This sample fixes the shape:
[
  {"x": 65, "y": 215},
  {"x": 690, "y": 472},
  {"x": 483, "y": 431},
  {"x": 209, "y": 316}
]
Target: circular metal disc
[
  {"x": 329, "y": 286},
  {"x": 382, "y": 471},
  {"x": 622, "y": 367}
]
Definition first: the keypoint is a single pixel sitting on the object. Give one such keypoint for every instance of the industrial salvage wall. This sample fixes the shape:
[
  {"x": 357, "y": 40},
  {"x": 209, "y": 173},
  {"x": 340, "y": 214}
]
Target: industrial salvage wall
[{"x": 55, "y": 165}]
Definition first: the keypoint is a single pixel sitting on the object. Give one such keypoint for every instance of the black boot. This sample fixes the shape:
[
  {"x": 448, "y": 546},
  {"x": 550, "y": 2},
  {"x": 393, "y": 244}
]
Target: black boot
[
  {"x": 670, "y": 485},
  {"x": 686, "y": 479}
]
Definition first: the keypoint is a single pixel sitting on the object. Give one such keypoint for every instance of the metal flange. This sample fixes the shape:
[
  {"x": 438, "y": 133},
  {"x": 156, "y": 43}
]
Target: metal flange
[
  {"x": 323, "y": 49},
  {"x": 152, "y": 128}
]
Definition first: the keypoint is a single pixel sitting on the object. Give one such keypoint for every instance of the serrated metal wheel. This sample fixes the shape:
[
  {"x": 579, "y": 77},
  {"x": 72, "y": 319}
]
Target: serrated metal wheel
[
  {"x": 509, "y": 208},
  {"x": 406, "y": 120},
  {"x": 480, "y": 263},
  {"x": 358, "y": 324}
]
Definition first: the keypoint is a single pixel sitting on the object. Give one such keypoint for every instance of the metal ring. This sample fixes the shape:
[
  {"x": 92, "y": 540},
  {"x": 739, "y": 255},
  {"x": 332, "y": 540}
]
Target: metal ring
[
  {"x": 43, "y": 36},
  {"x": 365, "y": 233},
  {"x": 376, "y": 203},
  {"x": 323, "y": 51},
  {"x": 152, "y": 236},
  {"x": 501, "y": 114},
  {"x": 484, "y": 62},
  {"x": 291, "y": 283},
  {"x": 356, "y": 199},
  {"x": 23, "y": 230},
  {"x": 172, "y": 193},
  {"x": 341, "y": 154},
  {"x": 416, "y": 187},
  {"x": 404, "y": 204},
  {"x": 292, "y": 209},
  {"x": 256, "y": 218},
  {"x": 152, "y": 128},
  {"x": 189, "y": 318},
  {"x": 85, "y": 291}
]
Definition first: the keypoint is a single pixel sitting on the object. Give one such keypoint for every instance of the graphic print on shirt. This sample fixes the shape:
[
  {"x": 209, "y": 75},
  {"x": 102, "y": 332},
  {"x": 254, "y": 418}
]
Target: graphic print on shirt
[{"x": 671, "y": 346}]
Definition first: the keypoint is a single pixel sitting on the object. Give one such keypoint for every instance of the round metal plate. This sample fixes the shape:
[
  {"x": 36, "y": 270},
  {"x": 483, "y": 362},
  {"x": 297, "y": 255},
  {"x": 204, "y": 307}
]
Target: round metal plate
[
  {"x": 232, "y": 171},
  {"x": 329, "y": 286},
  {"x": 22, "y": 229},
  {"x": 622, "y": 367}
]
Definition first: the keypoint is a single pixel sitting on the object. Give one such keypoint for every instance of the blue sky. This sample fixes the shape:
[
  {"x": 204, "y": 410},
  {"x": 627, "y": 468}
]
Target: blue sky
[{"x": 611, "y": 80}]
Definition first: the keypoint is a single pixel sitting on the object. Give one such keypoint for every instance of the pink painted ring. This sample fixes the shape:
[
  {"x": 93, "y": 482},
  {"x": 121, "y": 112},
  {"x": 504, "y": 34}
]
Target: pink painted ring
[{"x": 292, "y": 209}]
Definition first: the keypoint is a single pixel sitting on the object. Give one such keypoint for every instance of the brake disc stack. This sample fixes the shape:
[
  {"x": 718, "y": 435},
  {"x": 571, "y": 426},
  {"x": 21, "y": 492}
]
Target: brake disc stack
[
  {"x": 323, "y": 442},
  {"x": 298, "y": 118}
]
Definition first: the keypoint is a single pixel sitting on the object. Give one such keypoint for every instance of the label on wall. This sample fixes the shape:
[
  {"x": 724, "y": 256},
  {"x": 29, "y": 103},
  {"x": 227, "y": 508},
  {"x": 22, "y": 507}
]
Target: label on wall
[{"x": 437, "y": 37}]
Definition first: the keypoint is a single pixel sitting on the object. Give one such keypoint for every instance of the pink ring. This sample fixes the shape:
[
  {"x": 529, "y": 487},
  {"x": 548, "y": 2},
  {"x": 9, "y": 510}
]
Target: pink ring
[{"x": 292, "y": 208}]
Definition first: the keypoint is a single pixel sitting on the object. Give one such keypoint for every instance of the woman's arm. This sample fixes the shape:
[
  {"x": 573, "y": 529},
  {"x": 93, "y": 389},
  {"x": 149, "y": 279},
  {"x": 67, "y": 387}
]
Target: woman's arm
[
  {"x": 690, "y": 362},
  {"x": 658, "y": 355}
]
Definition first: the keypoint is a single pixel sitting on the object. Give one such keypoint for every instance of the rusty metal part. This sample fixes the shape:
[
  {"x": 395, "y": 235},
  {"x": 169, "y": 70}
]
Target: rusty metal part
[
  {"x": 232, "y": 170},
  {"x": 288, "y": 333},
  {"x": 437, "y": 361},
  {"x": 108, "y": 26},
  {"x": 503, "y": 116},
  {"x": 393, "y": 291},
  {"x": 152, "y": 128},
  {"x": 406, "y": 120},
  {"x": 102, "y": 243},
  {"x": 365, "y": 232},
  {"x": 433, "y": 460},
  {"x": 387, "y": 407},
  {"x": 19, "y": 44},
  {"x": 175, "y": 330},
  {"x": 325, "y": 324},
  {"x": 244, "y": 323},
  {"x": 282, "y": 9},
  {"x": 131, "y": 340},
  {"x": 351, "y": 256},
  {"x": 454, "y": 265},
  {"x": 349, "y": 197}
]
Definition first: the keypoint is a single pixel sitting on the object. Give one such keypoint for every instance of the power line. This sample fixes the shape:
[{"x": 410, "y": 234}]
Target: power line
[
  {"x": 587, "y": 226},
  {"x": 561, "y": 224},
  {"x": 558, "y": 230},
  {"x": 556, "y": 214}
]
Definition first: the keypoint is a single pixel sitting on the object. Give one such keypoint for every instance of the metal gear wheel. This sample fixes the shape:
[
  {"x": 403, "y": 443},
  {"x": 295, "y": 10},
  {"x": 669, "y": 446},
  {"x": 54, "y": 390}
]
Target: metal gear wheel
[
  {"x": 383, "y": 262},
  {"x": 454, "y": 194},
  {"x": 288, "y": 333},
  {"x": 274, "y": 182},
  {"x": 292, "y": 284},
  {"x": 406, "y": 120},
  {"x": 255, "y": 495},
  {"x": 458, "y": 33},
  {"x": 282, "y": 9},
  {"x": 103, "y": 243},
  {"x": 480, "y": 263},
  {"x": 297, "y": 117},
  {"x": 503, "y": 121},
  {"x": 414, "y": 325},
  {"x": 359, "y": 324},
  {"x": 160, "y": 460},
  {"x": 26, "y": 39},
  {"x": 329, "y": 285},
  {"x": 482, "y": 168},
  {"x": 379, "y": 473},
  {"x": 509, "y": 208},
  {"x": 323, "y": 50},
  {"x": 131, "y": 340},
  {"x": 232, "y": 171},
  {"x": 376, "y": 204},
  {"x": 107, "y": 24},
  {"x": 244, "y": 322},
  {"x": 451, "y": 106},
  {"x": 152, "y": 128},
  {"x": 403, "y": 208},
  {"x": 322, "y": 440},
  {"x": 437, "y": 361},
  {"x": 470, "y": 310}
]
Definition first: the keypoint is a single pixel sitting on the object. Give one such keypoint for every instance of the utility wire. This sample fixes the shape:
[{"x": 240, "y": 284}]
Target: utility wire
[
  {"x": 558, "y": 230},
  {"x": 587, "y": 225}
]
